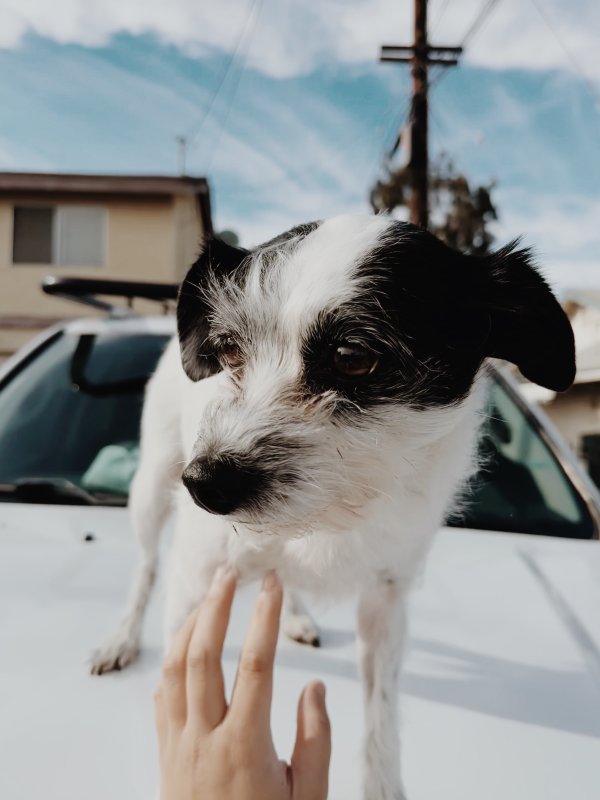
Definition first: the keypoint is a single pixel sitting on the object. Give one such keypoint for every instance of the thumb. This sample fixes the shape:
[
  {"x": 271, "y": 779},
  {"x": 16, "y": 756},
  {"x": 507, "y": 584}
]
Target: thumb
[{"x": 312, "y": 751}]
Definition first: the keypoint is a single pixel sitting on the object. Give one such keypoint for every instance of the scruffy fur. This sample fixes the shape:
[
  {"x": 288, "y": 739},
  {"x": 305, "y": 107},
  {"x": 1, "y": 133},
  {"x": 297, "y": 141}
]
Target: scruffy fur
[{"x": 334, "y": 480}]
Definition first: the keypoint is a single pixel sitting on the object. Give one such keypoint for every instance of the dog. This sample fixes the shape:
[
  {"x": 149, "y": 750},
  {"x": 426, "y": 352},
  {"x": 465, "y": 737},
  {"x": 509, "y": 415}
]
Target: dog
[{"x": 325, "y": 394}]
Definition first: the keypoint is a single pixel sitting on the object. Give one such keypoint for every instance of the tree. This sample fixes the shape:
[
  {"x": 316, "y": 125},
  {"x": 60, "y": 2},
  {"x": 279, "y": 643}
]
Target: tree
[{"x": 460, "y": 215}]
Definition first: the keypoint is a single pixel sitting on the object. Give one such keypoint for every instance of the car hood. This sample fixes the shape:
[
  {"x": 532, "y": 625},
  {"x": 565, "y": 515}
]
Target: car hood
[{"x": 501, "y": 688}]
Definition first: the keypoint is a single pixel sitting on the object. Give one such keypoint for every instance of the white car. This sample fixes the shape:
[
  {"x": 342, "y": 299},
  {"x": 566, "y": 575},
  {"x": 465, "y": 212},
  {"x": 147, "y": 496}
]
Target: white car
[{"x": 501, "y": 690}]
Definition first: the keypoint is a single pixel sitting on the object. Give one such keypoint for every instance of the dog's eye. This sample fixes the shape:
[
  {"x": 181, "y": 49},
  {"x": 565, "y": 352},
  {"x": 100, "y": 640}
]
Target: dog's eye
[
  {"x": 230, "y": 353},
  {"x": 353, "y": 361}
]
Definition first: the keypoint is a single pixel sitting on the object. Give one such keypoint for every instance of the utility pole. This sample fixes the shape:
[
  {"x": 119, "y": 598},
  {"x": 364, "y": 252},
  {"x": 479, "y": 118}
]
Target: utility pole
[{"x": 420, "y": 55}]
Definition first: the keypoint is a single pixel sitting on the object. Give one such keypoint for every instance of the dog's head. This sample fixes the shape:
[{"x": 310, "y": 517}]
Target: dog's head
[{"x": 336, "y": 338}]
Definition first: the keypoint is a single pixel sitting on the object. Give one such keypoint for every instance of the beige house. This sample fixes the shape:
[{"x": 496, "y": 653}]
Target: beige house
[
  {"x": 576, "y": 413},
  {"x": 103, "y": 226}
]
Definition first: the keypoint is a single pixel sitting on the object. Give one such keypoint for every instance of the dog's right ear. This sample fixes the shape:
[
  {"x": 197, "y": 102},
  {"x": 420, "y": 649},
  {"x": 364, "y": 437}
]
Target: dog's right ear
[{"x": 216, "y": 259}]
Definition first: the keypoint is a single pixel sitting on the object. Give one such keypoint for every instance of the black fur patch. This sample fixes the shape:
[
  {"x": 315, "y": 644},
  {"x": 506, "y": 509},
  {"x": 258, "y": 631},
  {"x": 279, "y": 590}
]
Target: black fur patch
[
  {"x": 298, "y": 233},
  {"x": 218, "y": 260},
  {"x": 432, "y": 315}
]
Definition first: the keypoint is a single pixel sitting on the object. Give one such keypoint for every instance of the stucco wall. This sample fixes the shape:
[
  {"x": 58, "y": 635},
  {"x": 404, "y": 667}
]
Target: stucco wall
[
  {"x": 144, "y": 240},
  {"x": 576, "y": 413},
  {"x": 188, "y": 235}
]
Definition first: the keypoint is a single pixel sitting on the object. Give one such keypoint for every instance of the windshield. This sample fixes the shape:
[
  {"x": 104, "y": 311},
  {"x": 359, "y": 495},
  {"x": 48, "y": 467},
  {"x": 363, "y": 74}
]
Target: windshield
[
  {"x": 69, "y": 433},
  {"x": 520, "y": 487},
  {"x": 69, "y": 420}
]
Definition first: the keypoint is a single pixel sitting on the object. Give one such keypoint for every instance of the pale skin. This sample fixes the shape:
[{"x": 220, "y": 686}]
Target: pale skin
[{"x": 211, "y": 750}]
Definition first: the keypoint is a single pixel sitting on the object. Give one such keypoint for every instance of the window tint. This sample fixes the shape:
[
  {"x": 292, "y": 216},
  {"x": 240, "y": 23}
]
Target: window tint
[
  {"x": 54, "y": 428},
  {"x": 73, "y": 413},
  {"x": 32, "y": 235},
  {"x": 520, "y": 487}
]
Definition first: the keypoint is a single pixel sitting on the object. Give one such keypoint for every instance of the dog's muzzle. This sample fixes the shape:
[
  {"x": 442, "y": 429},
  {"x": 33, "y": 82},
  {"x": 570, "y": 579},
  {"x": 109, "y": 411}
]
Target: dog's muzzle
[{"x": 222, "y": 486}]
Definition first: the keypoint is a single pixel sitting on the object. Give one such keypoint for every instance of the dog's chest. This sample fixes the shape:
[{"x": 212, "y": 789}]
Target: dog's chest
[{"x": 325, "y": 563}]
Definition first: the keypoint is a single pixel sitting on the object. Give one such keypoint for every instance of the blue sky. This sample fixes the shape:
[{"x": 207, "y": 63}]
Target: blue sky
[{"x": 300, "y": 124}]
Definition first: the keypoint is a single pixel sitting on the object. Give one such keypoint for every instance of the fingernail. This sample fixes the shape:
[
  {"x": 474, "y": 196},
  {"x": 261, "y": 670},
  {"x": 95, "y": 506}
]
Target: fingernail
[
  {"x": 222, "y": 574},
  {"x": 270, "y": 581},
  {"x": 319, "y": 691}
]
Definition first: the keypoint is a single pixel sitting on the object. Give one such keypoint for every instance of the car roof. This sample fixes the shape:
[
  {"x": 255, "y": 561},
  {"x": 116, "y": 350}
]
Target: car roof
[
  {"x": 501, "y": 690},
  {"x": 126, "y": 324},
  {"x": 161, "y": 325}
]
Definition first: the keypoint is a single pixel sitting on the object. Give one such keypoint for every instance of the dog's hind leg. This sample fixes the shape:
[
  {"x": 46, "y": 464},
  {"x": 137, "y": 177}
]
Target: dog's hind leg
[
  {"x": 297, "y": 623},
  {"x": 149, "y": 504},
  {"x": 381, "y": 630}
]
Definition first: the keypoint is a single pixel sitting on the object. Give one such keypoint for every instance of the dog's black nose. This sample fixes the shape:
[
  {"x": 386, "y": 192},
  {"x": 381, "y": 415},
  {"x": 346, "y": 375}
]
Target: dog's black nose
[{"x": 222, "y": 486}]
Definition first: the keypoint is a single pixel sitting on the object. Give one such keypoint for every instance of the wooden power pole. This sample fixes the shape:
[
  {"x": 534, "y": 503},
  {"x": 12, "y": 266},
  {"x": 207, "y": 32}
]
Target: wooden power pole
[{"x": 420, "y": 55}]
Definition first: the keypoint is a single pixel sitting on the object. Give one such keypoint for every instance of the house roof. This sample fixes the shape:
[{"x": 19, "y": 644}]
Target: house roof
[
  {"x": 142, "y": 186},
  {"x": 125, "y": 184}
]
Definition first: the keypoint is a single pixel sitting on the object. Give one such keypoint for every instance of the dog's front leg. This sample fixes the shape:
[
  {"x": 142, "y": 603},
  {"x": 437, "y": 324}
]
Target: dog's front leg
[
  {"x": 296, "y": 621},
  {"x": 381, "y": 630},
  {"x": 183, "y": 596},
  {"x": 149, "y": 508}
]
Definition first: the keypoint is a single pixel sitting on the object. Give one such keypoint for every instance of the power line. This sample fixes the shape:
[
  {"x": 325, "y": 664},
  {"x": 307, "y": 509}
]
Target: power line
[
  {"x": 195, "y": 129},
  {"x": 572, "y": 60},
  {"x": 443, "y": 8},
  {"x": 472, "y": 31},
  {"x": 434, "y": 82},
  {"x": 420, "y": 55},
  {"x": 479, "y": 20},
  {"x": 256, "y": 6},
  {"x": 401, "y": 121}
]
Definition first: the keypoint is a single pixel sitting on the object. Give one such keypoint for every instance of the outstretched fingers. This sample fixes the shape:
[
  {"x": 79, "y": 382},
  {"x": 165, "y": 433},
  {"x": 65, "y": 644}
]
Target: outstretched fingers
[
  {"x": 171, "y": 700},
  {"x": 312, "y": 751},
  {"x": 192, "y": 687},
  {"x": 251, "y": 700},
  {"x": 205, "y": 683}
]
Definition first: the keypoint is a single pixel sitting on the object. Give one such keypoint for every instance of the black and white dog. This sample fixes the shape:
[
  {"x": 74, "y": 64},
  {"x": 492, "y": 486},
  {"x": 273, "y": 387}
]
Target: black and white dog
[{"x": 325, "y": 395}]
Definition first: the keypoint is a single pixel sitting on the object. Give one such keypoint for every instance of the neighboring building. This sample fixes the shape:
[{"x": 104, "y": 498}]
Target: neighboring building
[
  {"x": 140, "y": 227},
  {"x": 576, "y": 413}
]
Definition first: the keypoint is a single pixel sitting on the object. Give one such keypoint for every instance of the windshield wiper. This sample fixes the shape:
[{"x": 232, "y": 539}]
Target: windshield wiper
[{"x": 51, "y": 491}]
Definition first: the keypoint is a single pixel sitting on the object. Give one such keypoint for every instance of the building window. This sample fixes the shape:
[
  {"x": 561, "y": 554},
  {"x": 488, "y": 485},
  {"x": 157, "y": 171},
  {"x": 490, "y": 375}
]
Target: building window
[
  {"x": 62, "y": 235},
  {"x": 32, "y": 235}
]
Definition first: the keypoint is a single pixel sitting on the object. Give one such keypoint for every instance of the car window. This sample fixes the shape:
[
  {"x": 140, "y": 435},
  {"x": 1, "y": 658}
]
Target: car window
[
  {"x": 521, "y": 486},
  {"x": 73, "y": 413}
]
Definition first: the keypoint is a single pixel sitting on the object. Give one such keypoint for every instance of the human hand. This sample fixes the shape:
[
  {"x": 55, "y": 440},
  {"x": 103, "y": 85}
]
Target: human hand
[{"x": 209, "y": 751}]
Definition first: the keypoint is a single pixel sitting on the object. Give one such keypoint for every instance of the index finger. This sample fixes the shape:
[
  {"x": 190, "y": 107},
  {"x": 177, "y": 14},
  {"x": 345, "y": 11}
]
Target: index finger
[{"x": 251, "y": 700}]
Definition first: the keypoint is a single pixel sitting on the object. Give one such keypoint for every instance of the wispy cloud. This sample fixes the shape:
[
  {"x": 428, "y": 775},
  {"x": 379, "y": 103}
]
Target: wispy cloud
[
  {"x": 562, "y": 229},
  {"x": 296, "y": 37},
  {"x": 294, "y": 147}
]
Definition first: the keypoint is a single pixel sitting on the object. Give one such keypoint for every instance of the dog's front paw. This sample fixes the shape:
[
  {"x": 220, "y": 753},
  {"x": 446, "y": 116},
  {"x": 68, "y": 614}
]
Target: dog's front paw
[
  {"x": 115, "y": 655},
  {"x": 301, "y": 628}
]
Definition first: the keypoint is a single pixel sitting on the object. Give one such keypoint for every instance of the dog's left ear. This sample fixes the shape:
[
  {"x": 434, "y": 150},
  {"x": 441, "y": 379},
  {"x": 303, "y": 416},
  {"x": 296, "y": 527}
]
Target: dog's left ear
[
  {"x": 528, "y": 327},
  {"x": 216, "y": 260}
]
